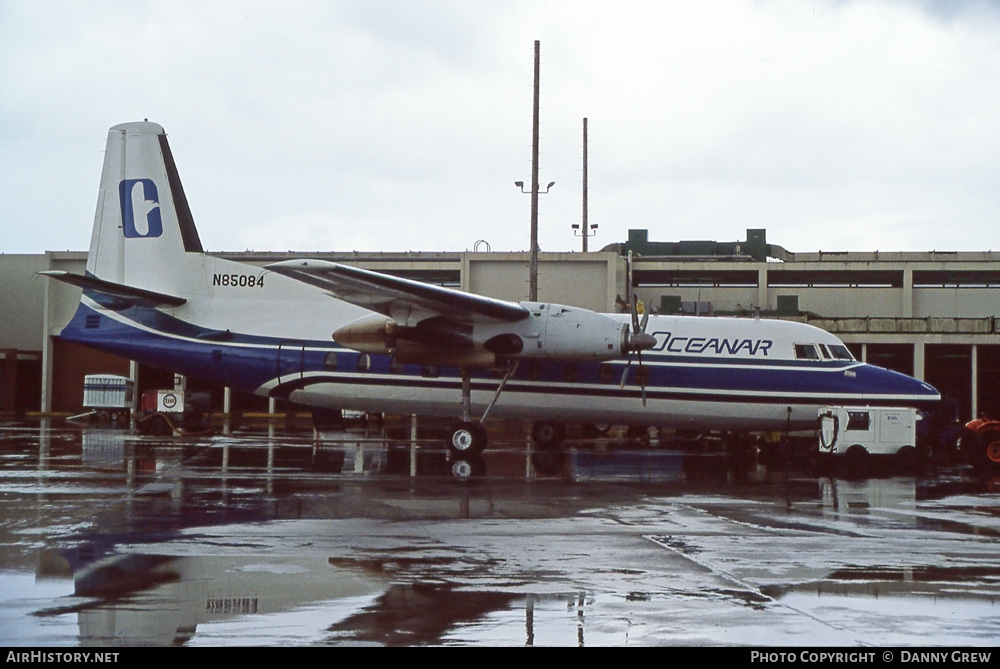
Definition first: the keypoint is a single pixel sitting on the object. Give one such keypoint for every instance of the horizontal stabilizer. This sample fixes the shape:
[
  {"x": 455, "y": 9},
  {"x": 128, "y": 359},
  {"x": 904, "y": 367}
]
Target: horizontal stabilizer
[
  {"x": 405, "y": 300},
  {"x": 122, "y": 295}
]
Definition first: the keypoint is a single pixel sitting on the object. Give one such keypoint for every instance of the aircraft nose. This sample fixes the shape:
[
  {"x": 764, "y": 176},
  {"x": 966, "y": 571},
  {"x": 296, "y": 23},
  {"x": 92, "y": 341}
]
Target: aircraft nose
[{"x": 897, "y": 383}]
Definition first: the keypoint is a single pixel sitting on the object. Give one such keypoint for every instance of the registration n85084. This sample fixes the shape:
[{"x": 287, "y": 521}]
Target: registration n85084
[{"x": 238, "y": 280}]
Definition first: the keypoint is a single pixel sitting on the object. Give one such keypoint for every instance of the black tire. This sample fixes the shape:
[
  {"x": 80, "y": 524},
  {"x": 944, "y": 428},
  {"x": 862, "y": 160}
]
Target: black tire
[
  {"x": 466, "y": 439},
  {"x": 856, "y": 460},
  {"x": 907, "y": 459},
  {"x": 548, "y": 435},
  {"x": 160, "y": 427}
]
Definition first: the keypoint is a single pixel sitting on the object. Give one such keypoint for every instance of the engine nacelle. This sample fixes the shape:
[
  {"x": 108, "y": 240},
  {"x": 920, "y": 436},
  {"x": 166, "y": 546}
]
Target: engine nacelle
[
  {"x": 369, "y": 334},
  {"x": 431, "y": 343},
  {"x": 550, "y": 331},
  {"x": 557, "y": 331}
]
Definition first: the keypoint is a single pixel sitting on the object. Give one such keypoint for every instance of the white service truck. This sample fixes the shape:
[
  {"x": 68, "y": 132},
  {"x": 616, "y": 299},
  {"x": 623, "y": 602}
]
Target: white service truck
[{"x": 858, "y": 432}]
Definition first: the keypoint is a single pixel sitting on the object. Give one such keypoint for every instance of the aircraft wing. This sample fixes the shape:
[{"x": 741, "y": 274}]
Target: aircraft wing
[{"x": 407, "y": 302}]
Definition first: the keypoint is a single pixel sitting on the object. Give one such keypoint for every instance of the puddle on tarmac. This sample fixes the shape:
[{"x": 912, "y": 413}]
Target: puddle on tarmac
[{"x": 112, "y": 539}]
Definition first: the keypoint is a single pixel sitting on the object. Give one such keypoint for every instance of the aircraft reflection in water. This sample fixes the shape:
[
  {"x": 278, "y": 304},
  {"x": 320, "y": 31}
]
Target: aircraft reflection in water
[
  {"x": 407, "y": 595},
  {"x": 152, "y": 295},
  {"x": 161, "y": 600},
  {"x": 348, "y": 454},
  {"x": 394, "y": 563},
  {"x": 610, "y": 458}
]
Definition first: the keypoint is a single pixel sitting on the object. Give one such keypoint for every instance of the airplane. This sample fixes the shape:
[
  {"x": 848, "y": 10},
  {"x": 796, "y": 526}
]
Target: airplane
[{"x": 327, "y": 335}]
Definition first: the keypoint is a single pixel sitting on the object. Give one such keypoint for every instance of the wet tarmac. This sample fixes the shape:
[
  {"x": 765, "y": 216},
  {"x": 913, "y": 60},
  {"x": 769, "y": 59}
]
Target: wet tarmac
[{"x": 265, "y": 537}]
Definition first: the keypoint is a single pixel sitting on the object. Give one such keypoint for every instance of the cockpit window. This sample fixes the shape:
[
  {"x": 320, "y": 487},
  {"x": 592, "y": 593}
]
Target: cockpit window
[
  {"x": 806, "y": 352},
  {"x": 825, "y": 351},
  {"x": 840, "y": 352}
]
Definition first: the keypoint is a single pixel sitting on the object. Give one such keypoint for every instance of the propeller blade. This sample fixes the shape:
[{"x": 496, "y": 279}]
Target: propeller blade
[
  {"x": 641, "y": 376},
  {"x": 637, "y": 341},
  {"x": 625, "y": 373}
]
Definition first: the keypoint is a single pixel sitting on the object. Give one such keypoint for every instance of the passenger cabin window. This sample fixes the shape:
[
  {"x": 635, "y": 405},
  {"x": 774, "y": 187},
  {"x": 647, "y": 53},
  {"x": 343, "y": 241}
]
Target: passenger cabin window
[
  {"x": 840, "y": 352},
  {"x": 859, "y": 421},
  {"x": 806, "y": 352}
]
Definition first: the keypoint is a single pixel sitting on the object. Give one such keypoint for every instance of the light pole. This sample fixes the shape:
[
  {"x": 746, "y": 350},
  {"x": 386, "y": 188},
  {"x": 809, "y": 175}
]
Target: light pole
[
  {"x": 533, "y": 263},
  {"x": 533, "y": 266},
  {"x": 584, "y": 231}
]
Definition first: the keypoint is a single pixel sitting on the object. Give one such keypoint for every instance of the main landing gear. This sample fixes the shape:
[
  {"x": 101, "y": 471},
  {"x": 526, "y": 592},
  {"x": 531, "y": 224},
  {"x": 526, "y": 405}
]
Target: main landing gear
[{"x": 467, "y": 439}]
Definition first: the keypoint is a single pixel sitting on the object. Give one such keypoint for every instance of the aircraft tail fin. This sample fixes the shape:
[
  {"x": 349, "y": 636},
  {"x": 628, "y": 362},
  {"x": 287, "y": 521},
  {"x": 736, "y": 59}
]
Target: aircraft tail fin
[{"x": 143, "y": 225}]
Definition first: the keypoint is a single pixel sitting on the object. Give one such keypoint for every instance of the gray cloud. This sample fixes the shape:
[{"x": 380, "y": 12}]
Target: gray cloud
[{"x": 400, "y": 125}]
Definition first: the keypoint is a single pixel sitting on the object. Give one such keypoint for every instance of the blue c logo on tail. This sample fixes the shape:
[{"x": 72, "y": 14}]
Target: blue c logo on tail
[{"x": 140, "y": 208}]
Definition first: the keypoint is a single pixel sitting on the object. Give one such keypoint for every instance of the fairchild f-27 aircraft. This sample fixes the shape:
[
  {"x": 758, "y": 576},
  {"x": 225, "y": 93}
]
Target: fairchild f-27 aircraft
[{"x": 326, "y": 335}]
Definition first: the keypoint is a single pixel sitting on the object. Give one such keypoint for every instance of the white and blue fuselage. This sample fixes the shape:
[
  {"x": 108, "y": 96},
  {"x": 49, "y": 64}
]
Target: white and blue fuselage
[{"x": 703, "y": 373}]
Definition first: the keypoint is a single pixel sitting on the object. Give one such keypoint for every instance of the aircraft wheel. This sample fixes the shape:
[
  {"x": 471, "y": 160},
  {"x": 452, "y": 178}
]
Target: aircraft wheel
[
  {"x": 547, "y": 434},
  {"x": 466, "y": 439}
]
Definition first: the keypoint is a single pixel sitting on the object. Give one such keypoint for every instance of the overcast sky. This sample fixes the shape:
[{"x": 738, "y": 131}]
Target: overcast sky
[{"x": 380, "y": 125}]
